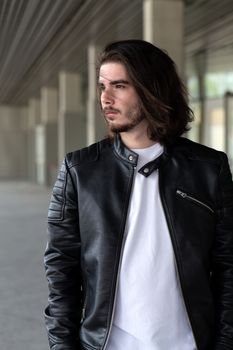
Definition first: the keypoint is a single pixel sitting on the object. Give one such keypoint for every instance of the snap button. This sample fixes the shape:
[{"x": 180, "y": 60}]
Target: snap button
[
  {"x": 131, "y": 158},
  {"x": 146, "y": 170}
]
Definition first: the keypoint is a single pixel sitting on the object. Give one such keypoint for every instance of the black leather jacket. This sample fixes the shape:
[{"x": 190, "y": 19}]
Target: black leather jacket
[{"x": 86, "y": 225}]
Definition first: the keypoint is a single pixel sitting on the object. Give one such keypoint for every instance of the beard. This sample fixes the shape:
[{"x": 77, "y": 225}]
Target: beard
[{"x": 134, "y": 116}]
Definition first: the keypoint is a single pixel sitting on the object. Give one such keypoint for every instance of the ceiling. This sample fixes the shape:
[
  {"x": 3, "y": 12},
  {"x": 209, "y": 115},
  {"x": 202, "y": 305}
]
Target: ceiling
[
  {"x": 209, "y": 29},
  {"x": 40, "y": 38}
]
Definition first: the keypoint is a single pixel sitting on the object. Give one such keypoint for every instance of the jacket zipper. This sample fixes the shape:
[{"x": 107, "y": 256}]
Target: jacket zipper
[
  {"x": 192, "y": 199},
  {"x": 171, "y": 231},
  {"x": 118, "y": 270},
  {"x": 85, "y": 290}
]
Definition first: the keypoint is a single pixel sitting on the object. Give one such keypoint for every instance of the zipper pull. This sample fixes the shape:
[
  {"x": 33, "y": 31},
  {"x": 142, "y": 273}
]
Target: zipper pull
[
  {"x": 83, "y": 314},
  {"x": 182, "y": 194}
]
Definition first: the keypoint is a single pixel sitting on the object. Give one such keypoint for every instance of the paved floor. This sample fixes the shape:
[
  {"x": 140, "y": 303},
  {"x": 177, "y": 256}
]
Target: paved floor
[{"x": 23, "y": 287}]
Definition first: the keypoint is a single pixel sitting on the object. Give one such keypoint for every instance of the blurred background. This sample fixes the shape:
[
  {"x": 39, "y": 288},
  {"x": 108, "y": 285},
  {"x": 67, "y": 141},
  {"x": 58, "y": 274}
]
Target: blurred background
[
  {"x": 47, "y": 72},
  {"x": 48, "y": 107}
]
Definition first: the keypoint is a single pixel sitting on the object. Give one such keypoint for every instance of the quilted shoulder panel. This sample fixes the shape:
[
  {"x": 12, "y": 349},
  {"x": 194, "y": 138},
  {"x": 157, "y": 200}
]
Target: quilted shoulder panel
[{"x": 57, "y": 202}]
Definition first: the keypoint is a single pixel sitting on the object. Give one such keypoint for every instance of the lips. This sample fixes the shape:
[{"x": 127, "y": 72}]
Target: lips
[{"x": 110, "y": 113}]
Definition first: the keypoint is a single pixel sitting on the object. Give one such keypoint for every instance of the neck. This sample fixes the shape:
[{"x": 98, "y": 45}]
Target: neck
[{"x": 137, "y": 137}]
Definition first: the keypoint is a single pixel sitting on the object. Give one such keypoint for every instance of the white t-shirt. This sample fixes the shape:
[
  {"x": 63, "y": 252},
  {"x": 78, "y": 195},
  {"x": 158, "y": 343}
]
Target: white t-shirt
[{"x": 149, "y": 312}]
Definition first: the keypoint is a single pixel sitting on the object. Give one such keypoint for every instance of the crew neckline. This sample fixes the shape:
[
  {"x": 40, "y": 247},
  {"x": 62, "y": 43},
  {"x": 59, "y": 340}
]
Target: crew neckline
[{"x": 148, "y": 154}]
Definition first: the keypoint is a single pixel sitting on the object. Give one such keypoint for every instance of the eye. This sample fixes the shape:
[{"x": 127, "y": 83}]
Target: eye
[
  {"x": 120, "y": 86},
  {"x": 101, "y": 87}
]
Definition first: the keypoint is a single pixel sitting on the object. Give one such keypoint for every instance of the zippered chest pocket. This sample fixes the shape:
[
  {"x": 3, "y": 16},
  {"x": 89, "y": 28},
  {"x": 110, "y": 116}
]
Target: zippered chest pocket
[{"x": 194, "y": 200}]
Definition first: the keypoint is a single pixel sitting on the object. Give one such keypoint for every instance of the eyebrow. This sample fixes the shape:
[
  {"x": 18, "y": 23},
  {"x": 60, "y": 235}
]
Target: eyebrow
[
  {"x": 120, "y": 81},
  {"x": 115, "y": 82}
]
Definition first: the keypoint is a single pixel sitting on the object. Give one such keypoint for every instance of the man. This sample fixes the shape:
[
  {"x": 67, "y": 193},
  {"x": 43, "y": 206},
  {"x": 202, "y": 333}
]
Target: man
[{"x": 140, "y": 250}]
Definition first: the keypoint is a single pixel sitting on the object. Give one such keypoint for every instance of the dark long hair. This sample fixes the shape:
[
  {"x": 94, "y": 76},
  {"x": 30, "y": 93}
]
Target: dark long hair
[{"x": 162, "y": 94}]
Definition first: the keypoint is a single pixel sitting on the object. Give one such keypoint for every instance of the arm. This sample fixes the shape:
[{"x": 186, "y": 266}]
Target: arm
[
  {"x": 222, "y": 276},
  {"x": 62, "y": 264}
]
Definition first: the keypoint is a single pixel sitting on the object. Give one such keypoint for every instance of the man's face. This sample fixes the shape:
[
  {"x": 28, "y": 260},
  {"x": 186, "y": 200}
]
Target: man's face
[{"x": 119, "y": 100}]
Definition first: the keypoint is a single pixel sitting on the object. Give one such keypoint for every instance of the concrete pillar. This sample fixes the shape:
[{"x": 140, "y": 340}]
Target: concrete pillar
[
  {"x": 200, "y": 68},
  {"x": 228, "y": 108},
  {"x": 96, "y": 128},
  {"x": 34, "y": 112},
  {"x": 46, "y": 137},
  {"x": 72, "y": 123},
  {"x": 13, "y": 143},
  {"x": 163, "y": 25},
  {"x": 34, "y": 116}
]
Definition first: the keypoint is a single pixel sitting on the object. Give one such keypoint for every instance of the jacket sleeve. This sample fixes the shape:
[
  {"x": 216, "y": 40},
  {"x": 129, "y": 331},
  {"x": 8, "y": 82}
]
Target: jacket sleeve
[
  {"x": 222, "y": 269},
  {"x": 62, "y": 264}
]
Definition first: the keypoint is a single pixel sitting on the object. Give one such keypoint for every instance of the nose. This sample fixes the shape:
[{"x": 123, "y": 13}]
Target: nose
[{"x": 107, "y": 97}]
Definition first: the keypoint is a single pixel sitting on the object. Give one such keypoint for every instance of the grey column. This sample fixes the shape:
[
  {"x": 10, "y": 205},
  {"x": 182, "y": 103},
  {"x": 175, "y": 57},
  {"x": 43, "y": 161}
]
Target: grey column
[
  {"x": 46, "y": 137},
  {"x": 200, "y": 69},
  {"x": 96, "y": 128},
  {"x": 34, "y": 116},
  {"x": 163, "y": 25},
  {"x": 72, "y": 122},
  {"x": 13, "y": 142}
]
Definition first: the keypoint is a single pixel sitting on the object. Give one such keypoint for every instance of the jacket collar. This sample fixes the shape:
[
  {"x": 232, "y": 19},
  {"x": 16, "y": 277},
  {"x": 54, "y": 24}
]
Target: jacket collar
[
  {"x": 124, "y": 152},
  {"x": 131, "y": 157}
]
